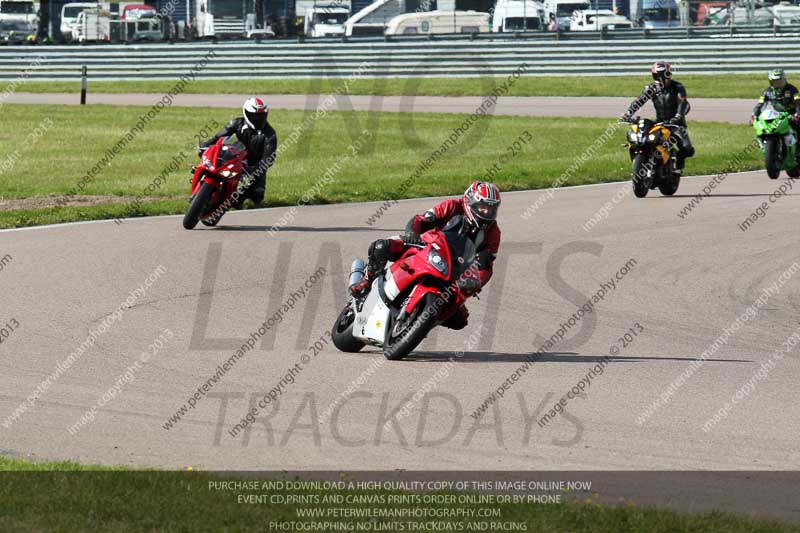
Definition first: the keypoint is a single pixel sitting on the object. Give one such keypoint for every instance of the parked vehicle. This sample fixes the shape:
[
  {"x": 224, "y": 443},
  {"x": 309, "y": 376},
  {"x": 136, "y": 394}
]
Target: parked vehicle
[
  {"x": 518, "y": 15},
  {"x": 323, "y": 20},
  {"x": 214, "y": 182},
  {"x": 740, "y": 16},
  {"x": 134, "y": 12},
  {"x": 69, "y": 16},
  {"x": 438, "y": 22},
  {"x": 776, "y": 136},
  {"x": 19, "y": 11},
  {"x": 653, "y": 154},
  {"x": 598, "y": 20},
  {"x": 709, "y": 13},
  {"x": 654, "y": 14},
  {"x": 92, "y": 25},
  {"x": 224, "y": 18},
  {"x": 411, "y": 296},
  {"x": 562, "y": 10},
  {"x": 16, "y": 32},
  {"x": 785, "y": 14}
]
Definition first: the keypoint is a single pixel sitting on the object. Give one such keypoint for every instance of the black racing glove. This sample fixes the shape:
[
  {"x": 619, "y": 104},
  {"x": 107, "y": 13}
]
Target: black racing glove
[
  {"x": 412, "y": 239},
  {"x": 675, "y": 120},
  {"x": 468, "y": 285}
]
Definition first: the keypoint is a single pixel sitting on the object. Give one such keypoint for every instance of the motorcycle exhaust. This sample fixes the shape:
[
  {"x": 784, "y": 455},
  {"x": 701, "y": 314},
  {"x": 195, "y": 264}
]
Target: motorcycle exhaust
[{"x": 357, "y": 272}]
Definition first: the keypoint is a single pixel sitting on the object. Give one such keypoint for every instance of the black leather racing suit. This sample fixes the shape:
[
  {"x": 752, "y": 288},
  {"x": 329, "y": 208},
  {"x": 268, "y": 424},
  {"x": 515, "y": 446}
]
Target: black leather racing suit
[
  {"x": 260, "y": 145},
  {"x": 670, "y": 103}
]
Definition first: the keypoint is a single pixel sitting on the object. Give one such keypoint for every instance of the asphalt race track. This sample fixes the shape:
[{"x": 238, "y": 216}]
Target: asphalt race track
[
  {"x": 703, "y": 109},
  {"x": 691, "y": 279}
]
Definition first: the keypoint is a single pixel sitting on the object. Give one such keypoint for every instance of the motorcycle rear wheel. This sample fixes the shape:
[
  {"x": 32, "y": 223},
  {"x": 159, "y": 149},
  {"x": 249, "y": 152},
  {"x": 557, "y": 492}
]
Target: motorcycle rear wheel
[
  {"x": 197, "y": 206},
  {"x": 640, "y": 188},
  {"x": 772, "y": 158},
  {"x": 414, "y": 328},
  {"x": 342, "y": 331}
]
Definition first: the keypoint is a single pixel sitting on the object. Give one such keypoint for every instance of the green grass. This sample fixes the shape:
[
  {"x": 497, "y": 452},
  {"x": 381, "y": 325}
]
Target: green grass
[
  {"x": 67, "y": 497},
  {"x": 55, "y": 162},
  {"x": 697, "y": 86}
]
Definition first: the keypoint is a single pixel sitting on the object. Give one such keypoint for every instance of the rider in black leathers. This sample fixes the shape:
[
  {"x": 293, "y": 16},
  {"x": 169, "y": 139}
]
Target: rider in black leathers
[
  {"x": 260, "y": 140},
  {"x": 671, "y": 104}
]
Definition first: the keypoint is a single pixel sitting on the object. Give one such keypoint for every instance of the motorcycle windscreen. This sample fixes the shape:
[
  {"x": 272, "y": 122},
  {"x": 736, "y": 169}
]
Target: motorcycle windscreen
[
  {"x": 230, "y": 149},
  {"x": 463, "y": 250},
  {"x": 768, "y": 112}
]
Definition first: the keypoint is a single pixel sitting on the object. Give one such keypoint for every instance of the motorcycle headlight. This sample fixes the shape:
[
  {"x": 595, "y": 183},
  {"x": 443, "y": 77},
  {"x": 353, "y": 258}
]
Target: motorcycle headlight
[
  {"x": 207, "y": 162},
  {"x": 225, "y": 173},
  {"x": 632, "y": 136},
  {"x": 652, "y": 137},
  {"x": 437, "y": 261}
]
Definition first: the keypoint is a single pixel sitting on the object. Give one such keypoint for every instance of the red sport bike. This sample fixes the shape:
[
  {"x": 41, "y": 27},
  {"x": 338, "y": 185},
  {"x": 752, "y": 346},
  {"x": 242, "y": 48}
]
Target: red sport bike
[
  {"x": 419, "y": 291},
  {"x": 214, "y": 182}
]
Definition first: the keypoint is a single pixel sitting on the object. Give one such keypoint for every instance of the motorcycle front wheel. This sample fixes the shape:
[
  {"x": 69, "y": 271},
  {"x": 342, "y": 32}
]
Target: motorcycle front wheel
[
  {"x": 670, "y": 186},
  {"x": 772, "y": 158},
  {"x": 407, "y": 333},
  {"x": 638, "y": 176},
  {"x": 197, "y": 206},
  {"x": 342, "y": 331}
]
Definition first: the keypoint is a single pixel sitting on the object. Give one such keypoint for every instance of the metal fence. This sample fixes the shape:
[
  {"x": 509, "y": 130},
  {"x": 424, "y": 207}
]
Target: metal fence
[{"x": 453, "y": 57}]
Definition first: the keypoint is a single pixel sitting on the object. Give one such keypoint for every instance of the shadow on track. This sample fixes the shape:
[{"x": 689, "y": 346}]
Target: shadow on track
[
  {"x": 549, "y": 357},
  {"x": 298, "y": 228},
  {"x": 732, "y": 195}
]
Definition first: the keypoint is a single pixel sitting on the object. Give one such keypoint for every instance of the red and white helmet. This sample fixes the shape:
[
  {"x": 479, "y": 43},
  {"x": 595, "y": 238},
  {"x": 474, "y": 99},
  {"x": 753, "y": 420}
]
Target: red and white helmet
[
  {"x": 481, "y": 203},
  {"x": 255, "y": 112},
  {"x": 661, "y": 72}
]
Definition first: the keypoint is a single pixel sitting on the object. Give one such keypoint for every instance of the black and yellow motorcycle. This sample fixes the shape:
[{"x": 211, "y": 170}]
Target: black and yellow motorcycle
[{"x": 653, "y": 154}]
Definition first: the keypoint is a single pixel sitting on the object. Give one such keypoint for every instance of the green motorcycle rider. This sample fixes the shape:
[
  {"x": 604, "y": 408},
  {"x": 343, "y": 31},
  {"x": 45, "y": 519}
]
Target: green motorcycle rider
[{"x": 783, "y": 96}]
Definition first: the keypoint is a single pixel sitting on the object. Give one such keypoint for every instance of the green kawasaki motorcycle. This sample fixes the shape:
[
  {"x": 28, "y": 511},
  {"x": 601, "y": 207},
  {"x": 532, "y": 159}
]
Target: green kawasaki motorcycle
[{"x": 775, "y": 133}]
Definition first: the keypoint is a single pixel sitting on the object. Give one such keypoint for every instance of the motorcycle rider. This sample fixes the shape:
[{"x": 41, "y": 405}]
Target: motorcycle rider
[
  {"x": 783, "y": 95},
  {"x": 478, "y": 208},
  {"x": 259, "y": 138},
  {"x": 671, "y": 104}
]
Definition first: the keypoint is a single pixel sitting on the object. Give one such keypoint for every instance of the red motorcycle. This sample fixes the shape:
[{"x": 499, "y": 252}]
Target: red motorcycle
[
  {"x": 214, "y": 182},
  {"x": 414, "y": 294}
]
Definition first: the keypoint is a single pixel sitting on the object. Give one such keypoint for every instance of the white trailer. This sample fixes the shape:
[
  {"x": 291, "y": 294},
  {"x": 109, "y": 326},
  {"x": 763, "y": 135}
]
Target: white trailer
[{"x": 437, "y": 22}]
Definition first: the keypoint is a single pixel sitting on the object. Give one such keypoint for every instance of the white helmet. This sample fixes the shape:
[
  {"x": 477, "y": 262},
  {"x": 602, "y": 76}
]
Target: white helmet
[{"x": 255, "y": 112}]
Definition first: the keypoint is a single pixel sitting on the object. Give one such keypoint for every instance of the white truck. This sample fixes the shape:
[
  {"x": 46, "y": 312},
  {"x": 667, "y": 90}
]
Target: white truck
[
  {"x": 437, "y": 22},
  {"x": 518, "y": 15},
  {"x": 221, "y": 18},
  {"x": 323, "y": 20},
  {"x": 69, "y": 16},
  {"x": 19, "y": 11},
  {"x": 562, "y": 11},
  {"x": 598, "y": 20}
]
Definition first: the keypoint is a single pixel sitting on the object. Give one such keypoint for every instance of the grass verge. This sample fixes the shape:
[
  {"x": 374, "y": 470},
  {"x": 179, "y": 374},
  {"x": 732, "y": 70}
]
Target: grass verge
[
  {"x": 515, "y": 152},
  {"x": 697, "y": 86},
  {"x": 67, "y": 497}
]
